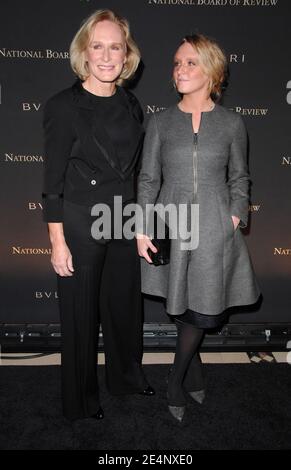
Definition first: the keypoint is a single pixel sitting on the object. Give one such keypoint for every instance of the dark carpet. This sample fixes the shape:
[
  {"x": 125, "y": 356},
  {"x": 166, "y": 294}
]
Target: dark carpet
[{"x": 247, "y": 406}]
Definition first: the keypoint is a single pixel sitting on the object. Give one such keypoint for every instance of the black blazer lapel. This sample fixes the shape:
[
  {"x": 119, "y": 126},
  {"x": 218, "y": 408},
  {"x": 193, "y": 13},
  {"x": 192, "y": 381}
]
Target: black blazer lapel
[{"x": 104, "y": 144}]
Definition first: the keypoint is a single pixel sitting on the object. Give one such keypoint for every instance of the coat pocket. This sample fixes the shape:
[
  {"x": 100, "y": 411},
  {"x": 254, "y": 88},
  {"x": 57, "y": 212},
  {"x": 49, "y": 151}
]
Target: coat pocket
[
  {"x": 225, "y": 214},
  {"x": 229, "y": 218}
]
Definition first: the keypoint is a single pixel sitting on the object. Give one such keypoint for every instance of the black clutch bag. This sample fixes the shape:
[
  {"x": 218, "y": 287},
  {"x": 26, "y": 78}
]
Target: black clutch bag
[{"x": 163, "y": 246}]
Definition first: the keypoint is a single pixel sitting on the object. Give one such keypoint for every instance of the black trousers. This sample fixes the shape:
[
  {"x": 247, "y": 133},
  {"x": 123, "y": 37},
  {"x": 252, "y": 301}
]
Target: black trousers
[{"x": 105, "y": 288}]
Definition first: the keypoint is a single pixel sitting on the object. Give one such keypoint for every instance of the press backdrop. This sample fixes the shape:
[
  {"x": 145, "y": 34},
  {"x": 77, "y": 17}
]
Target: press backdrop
[{"x": 34, "y": 43}]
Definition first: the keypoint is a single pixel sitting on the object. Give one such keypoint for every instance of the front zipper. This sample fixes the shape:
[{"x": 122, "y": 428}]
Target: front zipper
[
  {"x": 195, "y": 164},
  {"x": 195, "y": 171}
]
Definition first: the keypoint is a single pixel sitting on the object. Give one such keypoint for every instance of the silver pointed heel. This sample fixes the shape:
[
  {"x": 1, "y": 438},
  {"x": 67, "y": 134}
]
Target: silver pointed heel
[
  {"x": 198, "y": 395},
  {"x": 177, "y": 412}
]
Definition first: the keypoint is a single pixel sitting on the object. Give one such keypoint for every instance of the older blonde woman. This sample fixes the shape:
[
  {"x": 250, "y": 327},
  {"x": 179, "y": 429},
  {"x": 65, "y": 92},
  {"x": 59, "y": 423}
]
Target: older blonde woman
[
  {"x": 93, "y": 135},
  {"x": 195, "y": 153}
]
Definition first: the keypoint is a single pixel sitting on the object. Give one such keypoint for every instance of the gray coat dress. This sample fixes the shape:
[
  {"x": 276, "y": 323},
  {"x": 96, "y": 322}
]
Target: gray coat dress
[{"x": 213, "y": 173}]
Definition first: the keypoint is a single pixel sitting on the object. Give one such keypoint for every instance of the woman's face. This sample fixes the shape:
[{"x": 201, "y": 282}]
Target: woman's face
[
  {"x": 106, "y": 52},
  {"x": 188, "y": 74}
]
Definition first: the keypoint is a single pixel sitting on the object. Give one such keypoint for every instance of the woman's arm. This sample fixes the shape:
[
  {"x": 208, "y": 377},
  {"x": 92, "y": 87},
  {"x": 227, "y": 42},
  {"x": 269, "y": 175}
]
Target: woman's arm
[
  {"x": 149, "y": 178},
  {"x": 238, "y": 175},
  {"x": 149, "y": 184},
  {"x": 58, "y": 141},
  {"x": 61, "y": 258},
  {"x": 58, "y": 137}
]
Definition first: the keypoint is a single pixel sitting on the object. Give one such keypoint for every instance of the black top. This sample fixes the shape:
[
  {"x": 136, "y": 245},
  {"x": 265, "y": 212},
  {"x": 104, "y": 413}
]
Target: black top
[
  {"x": 117, "y": 121},
  {"x": 92, "y": 148}
]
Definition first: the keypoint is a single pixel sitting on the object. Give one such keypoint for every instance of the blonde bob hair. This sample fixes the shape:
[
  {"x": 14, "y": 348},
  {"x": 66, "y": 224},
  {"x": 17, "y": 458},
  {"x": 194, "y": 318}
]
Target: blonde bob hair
[
  {"x": 212, "y": 60},
  {"x": 82, "y": 38}
]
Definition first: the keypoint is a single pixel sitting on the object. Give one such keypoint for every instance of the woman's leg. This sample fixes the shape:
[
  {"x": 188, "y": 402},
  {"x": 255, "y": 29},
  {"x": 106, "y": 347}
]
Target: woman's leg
[
  {"x": 193, "y": 380},
  {"x": 80, "y": 329},
  {"x": 188, "y": 341},
  {"x": 78, "y": 301},
  {"x": 121, "y": 318}
]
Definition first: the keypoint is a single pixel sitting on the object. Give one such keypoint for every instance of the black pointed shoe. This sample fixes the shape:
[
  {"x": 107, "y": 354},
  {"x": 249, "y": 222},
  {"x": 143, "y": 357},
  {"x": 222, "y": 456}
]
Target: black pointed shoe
[
  {"x": 177, "y": 412},
  {"x": 99, "y": 414},
  {"x": 177, "y": 409},
  {"x": 198, "y": 396},
  {"x": 148, "y": 391}
]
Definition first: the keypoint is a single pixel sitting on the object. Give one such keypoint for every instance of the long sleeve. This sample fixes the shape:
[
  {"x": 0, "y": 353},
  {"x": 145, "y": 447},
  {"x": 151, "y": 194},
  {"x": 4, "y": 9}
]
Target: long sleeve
[
  {"x": 149, "y": 179},
  {"x": 238, "y": 175},
  {"x": 138, "y": 112},
  {"x": 58, "y": 141}
]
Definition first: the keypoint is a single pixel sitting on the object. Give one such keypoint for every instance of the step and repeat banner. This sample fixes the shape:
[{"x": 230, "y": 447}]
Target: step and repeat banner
[{"x": 34, "y": 64}]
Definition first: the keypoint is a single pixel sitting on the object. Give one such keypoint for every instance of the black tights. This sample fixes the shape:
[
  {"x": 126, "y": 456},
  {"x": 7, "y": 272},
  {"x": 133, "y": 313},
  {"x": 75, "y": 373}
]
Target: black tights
[{"x": 186, "y": 371}]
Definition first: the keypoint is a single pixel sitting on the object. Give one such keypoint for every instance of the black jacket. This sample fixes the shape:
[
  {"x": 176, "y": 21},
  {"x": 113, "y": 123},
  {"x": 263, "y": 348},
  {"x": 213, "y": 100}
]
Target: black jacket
[{"x": 81, "y": 163}]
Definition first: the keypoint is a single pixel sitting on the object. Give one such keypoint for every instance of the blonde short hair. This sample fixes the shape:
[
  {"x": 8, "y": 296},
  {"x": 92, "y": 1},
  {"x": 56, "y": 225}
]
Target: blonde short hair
[
  {"x": 81, "y": 40},
  {"x": 212, "y": 59}
]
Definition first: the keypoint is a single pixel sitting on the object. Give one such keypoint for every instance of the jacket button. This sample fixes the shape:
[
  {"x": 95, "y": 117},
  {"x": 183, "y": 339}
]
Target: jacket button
[{"x": 93, "y": 182}]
